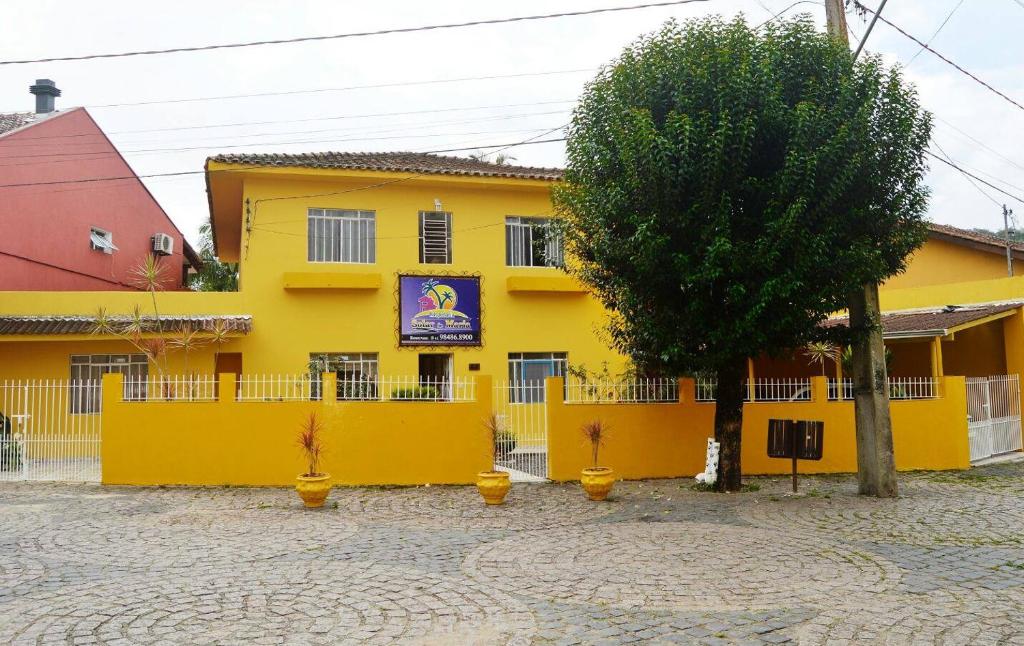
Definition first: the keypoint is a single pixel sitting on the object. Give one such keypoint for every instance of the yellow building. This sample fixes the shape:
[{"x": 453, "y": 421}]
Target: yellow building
[
  {"x": 405, "y": 272},
  {"x": 322, "y": 241}
]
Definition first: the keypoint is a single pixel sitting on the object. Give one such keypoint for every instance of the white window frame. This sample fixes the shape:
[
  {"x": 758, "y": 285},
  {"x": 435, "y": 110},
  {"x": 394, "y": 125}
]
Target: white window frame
[
  {"x": 526, "y": 391},
  {"x": 346, "y": 236},
  {"x": 87, "y": 372},
  {"x": 357, "y": 373},
  {"x": 522, "y": 241},
  {"x": 101, "y": 240},
  {"x": 438, "y": 224}
]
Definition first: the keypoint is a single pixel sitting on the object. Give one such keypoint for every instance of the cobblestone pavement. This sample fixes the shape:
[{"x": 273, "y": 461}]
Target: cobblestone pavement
[{"x": 660, "y": 563}]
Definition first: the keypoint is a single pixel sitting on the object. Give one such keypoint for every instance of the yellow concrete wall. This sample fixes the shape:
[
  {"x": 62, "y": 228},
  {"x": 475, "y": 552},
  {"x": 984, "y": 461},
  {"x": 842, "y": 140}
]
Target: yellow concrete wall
[
  {"x": 669, "y": 440},
  {"x": 959, "y": 292},
  {"x": 254, "y": 443},
  {"x": 940, "y": 263}
]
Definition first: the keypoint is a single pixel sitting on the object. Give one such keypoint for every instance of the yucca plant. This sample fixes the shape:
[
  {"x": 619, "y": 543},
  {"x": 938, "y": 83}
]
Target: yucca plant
[
  {"x": 820, "y": 352},
  {"x": 595, "y": 432},
  {"x": 311, "y": 444}
]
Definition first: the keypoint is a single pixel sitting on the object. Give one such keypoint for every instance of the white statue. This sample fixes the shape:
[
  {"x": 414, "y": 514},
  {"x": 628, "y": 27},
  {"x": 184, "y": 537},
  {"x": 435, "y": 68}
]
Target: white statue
[{"x": 710, "y": 474}]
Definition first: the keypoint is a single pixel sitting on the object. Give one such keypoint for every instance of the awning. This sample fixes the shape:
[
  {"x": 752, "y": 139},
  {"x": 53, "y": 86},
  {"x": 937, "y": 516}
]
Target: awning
[
  {"x": 935, "y": 322},
  {"x": 63, "y": 324}
]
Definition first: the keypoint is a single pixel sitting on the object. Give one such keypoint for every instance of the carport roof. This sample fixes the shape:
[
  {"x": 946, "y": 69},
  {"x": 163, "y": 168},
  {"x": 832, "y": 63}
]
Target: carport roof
[
  {"x": 63, "y": 324},
  {"x": 936, "y": 322}
]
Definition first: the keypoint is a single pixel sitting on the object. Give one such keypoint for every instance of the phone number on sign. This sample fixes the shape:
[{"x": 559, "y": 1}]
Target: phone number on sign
[{"x": 454, "y": 337}]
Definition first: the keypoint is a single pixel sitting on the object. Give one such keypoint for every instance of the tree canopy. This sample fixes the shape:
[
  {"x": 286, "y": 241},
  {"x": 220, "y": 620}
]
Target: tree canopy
[
  {"x": 215, "y": 276},
  {"x": 727, "y": 188}
]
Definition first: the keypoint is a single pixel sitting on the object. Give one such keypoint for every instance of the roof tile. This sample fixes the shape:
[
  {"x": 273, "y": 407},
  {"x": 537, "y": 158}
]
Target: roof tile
[
  {"x": 931, "y": 322},
  {"x": 59, "y": 324},
  {"x": 13, "y": 120},
  {"x": 404, "y": 162}
]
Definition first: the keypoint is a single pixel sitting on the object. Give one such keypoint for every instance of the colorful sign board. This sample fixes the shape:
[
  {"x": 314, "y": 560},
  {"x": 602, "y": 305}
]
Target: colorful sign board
[{"x": 439, "y": 310}]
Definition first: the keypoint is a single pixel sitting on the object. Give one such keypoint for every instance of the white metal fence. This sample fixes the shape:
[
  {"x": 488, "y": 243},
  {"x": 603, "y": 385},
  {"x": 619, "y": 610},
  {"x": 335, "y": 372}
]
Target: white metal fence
[
  {"x": 761, "y": 389},
  {"x": 633, "y": 391},
  {"x": 521, "y": 408},
  {"x": 50, "y": 430},
  {"x": 993, "y": 415},
  {"x": 171, "y": 388},
  {"x": 899, "y": 388},
  {"x": 277, "y": 388}
]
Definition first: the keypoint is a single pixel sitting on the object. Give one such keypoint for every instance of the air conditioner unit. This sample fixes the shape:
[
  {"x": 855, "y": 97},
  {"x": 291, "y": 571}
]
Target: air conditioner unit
[{"x": 163, "y": 244}]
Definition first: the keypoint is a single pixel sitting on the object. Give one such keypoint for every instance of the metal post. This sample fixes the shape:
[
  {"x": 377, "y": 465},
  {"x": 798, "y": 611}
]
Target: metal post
[{"x": 1006, "y": 236}]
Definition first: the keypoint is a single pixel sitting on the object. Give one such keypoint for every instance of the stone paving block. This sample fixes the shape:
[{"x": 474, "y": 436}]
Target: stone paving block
[{"x": 662, "y": 563}]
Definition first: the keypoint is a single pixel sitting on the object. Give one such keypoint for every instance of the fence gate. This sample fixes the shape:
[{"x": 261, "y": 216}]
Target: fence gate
[
  {"x": 993, "y": 414},
  {"x": 50, "y": 430},
  {"x": 523, "y": 446}
]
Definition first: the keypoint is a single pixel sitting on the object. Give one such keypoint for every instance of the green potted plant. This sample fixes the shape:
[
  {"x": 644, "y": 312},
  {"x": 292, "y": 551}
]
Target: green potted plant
[
  {"x": 493, "y": 485},
  {"x": 312, "y": 486},
  {"x": 597, "y": 481}
]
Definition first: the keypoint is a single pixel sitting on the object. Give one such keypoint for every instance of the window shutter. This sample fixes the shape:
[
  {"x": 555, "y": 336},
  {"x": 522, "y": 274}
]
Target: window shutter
[{"x": 435, "y": 237}]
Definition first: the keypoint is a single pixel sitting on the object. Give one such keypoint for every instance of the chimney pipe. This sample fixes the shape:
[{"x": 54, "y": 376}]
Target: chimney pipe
[{"x": 46, "y": 92}]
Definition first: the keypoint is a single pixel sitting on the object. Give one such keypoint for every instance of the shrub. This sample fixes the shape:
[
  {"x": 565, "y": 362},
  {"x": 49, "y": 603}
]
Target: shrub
[{"x": 415, "y": 393}]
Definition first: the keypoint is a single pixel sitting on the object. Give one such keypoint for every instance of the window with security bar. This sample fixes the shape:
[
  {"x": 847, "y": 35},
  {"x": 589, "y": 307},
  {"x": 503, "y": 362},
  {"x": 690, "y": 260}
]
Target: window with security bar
[
  {"x": 342, "y": 236},
  {"x": 356, "y": 373},
  {"x": 527, "y": 372},
  {"x": 532, "y": 242},
  {"x": 87, "y": 372},
  {"x": 435, "y": 237}
]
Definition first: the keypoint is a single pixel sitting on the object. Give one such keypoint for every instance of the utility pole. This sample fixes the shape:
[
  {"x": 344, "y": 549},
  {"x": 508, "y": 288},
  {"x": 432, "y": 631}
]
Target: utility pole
[
  {"x": 1007, "y": 214},
  {"x": 876, "y": 464}
]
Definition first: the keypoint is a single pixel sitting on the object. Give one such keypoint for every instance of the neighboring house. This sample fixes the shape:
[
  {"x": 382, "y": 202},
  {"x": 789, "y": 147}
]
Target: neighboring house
[{"x": 63, "y": 231}]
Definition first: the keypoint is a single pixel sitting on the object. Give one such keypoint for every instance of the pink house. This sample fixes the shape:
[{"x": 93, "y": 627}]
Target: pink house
[{"x": 73, "y": 214}]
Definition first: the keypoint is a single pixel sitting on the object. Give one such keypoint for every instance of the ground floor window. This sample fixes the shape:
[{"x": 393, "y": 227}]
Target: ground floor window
[
  {"x": 527, "y": 372},
  {"x": 356, "y": 372},
  {"x": 87, "y": 371}
]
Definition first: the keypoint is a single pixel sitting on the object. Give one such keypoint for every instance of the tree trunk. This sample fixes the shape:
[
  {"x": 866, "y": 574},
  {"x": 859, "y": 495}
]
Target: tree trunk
[
  {"x": 876, "y": 464},
  {"x": 729, "y": 422}
]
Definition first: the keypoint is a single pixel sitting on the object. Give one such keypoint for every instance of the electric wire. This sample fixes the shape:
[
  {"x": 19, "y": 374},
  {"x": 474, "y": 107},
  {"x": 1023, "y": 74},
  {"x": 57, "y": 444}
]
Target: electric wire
[
  {"x": 361, "y": 34},
  {"x": 935, "y": 33},
  {"x": 960, "y": 69}
]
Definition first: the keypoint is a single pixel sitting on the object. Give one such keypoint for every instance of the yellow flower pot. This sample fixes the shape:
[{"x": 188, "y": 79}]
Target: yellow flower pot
[
  {"x": 493, "y": 486},
  {"x": 597, "y": 482},
  {"x": 313, "y": 489}
]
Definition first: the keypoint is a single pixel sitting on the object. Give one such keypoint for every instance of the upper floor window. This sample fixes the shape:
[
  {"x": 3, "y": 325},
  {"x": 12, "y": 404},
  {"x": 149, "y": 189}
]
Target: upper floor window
[
  {"x": 532, "y": 242},
  {"x": 342, "y": 236},
  {"x": 435, "y": 237}
]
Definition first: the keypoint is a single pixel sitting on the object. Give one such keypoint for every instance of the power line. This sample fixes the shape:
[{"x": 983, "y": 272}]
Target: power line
[
  {"x": 243, "y": 168},
  {"x": 396, "y": 127},
  {"x": 967, "y": 177},
  {"x": 936, "y": 32},
  {"x": 972, "y": 175},
  {"x": 361, "y": 34},
  {"x": 946, "y": 60},
  {"x": 867, "y": 33},
  {"x": 372, "y": 86},
  {"x": 365, "y": 115}
]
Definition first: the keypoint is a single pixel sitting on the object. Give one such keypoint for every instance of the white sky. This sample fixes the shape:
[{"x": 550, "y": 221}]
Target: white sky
[{"x": 982, "y": 36}]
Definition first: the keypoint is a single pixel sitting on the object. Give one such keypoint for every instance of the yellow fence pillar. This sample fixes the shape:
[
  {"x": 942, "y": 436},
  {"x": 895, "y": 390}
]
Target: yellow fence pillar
[
  {"x": 750, "y": 380},
  {"x": 329, "y": 381},
  {"x": 936, "y": 357}
]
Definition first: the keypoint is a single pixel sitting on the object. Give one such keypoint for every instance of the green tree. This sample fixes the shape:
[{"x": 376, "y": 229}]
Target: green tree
[
  {"x": 215, "y": 276},
  {"x": 727, "y": 188}
]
